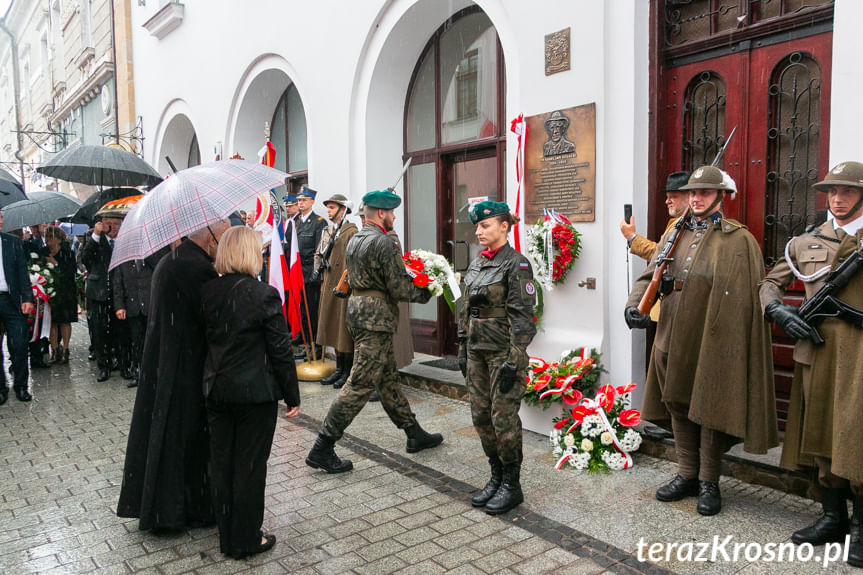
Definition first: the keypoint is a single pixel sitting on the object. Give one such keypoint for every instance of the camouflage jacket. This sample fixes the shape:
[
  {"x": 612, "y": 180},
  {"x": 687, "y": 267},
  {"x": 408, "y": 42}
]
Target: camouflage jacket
[
  {"x": 501, "y": 285},
  {"x": 374, "y": 262}
]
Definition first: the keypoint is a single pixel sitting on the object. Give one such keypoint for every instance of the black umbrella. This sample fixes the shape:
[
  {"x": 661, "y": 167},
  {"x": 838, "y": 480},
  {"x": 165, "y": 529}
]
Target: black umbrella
[
  {"x": 91, "y": 205},
  {"x": 39, "y": 208},
  {"x": 100, "y": 166},
  {"x": 10, "y": 190}
]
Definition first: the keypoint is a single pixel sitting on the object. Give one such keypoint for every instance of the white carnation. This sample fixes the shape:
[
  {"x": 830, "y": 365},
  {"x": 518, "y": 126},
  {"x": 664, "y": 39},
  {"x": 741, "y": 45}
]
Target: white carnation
[
  {"x": 631, "y": 440},
  {"x": 580, "y": 460},
  {"x": 614, "y": 460}
]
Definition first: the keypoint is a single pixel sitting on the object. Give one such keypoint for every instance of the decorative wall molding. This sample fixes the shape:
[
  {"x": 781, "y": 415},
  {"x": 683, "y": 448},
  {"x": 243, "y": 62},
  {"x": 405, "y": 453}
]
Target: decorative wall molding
[{"x": 165, "y": 20}]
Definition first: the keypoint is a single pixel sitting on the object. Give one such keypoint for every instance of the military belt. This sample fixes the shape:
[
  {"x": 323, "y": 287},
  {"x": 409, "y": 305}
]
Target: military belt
[
  {"x": 370, "y": 293},
  {"x": 487, "y": 312}
]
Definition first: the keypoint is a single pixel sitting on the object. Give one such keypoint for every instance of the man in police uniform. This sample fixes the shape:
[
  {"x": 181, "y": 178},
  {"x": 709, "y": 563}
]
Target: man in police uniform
[
  {"x": 291, "y": 211},
  {"x": 378, "y": 282},
  {"x": 710, "y": 367},
  {"x": 310, "y": 226},
  {"x": 823, "y": 429}
]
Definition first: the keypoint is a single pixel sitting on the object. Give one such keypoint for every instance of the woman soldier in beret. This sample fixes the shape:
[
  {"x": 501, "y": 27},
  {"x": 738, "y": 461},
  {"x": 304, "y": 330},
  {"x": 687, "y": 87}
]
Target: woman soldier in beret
[{"x": 495, "y": 326}]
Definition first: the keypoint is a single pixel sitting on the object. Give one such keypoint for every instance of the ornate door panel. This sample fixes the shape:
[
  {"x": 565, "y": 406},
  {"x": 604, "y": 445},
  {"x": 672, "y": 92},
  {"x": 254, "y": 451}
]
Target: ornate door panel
[{"x": 774, "y": 86}]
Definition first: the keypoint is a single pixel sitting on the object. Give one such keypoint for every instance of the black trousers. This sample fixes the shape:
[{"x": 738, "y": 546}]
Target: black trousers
[
  {"x": 133, "y": 332},
  {"x": 110, "y": 335},
  {"x": 240, "y": 440},
  {"x": 15, "y": 324}
]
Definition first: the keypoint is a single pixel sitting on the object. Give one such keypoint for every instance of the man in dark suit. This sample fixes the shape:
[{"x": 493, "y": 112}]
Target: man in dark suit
[
  {"x": 16, "y": 301},
  {"x": 96, "y": 255},
  {"x": 310, "y": 226}
]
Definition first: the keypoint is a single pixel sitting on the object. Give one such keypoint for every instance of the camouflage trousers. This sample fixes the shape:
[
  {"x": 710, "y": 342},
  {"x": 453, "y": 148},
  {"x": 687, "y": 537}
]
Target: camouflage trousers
[
  {"x": 495, "y": 414},
  {"x": 374, "y": 366}
]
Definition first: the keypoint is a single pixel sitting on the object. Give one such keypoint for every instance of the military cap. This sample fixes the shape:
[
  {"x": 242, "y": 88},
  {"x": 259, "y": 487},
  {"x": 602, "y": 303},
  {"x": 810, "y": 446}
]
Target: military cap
[
  {"x": 676, "y": 180},
  {"x": 306, "y": 192},
  {"x": 844, "y": 174},
  {"x": 707, "y": 178},
  {"x": 487, "y": 209},
  {"x": 290, "y": 200},
  {"x": 340, "y": 200},
  {"x": 558, "y": 116},
  {"x": 382, "y": 200}
]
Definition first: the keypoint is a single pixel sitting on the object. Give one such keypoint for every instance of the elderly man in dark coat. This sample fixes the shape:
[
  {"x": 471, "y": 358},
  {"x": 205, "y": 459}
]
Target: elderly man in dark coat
[
  {"x": 710, "y": 369},
  {"x": 165, "y": 478}
]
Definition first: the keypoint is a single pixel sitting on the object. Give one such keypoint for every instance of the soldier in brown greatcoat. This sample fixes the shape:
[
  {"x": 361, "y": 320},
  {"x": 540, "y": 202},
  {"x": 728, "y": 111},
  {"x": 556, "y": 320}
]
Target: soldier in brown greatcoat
[
  {"x": 333, "y": 315},
  {"x": 823, "y": 429},
  {"x": 710, "y": 369}
]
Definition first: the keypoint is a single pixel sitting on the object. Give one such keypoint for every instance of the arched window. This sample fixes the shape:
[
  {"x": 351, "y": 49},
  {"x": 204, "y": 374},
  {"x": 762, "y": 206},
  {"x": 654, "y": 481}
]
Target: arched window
[
  {"x": 288, "y": 135},
  {"x": 703, "y": 119},
  {"x": 454, "y": 133}
]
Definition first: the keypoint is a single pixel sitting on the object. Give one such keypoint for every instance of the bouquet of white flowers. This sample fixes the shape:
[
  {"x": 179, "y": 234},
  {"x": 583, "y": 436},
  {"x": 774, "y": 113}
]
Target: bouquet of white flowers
[
  {"x": 434, "y": 273},
  {"x": 42, "y": 275}
]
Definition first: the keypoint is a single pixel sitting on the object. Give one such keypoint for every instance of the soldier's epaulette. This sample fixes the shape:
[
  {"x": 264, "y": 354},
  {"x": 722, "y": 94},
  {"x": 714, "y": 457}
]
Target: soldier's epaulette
[{"x": 729, "y": 225}]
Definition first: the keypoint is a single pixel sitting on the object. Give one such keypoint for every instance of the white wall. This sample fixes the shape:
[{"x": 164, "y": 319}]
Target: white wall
[
  {"x": 846, "y": 121},
  {"x": 352, "y": 62}
]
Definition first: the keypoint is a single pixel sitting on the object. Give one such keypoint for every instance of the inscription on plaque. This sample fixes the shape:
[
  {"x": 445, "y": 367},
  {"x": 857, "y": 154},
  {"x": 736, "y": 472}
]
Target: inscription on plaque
[
  {"x": 557, "y": 52},
  {"x": 560, "y": 164}
]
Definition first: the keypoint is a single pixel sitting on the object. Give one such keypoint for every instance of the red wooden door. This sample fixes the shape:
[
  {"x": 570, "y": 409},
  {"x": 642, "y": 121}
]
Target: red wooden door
[{"x": 777, "y": 94}]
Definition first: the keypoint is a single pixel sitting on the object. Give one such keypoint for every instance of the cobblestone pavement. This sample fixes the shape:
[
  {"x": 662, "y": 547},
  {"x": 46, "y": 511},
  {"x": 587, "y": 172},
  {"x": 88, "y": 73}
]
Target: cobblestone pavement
[{"x": 61, "y": 461}]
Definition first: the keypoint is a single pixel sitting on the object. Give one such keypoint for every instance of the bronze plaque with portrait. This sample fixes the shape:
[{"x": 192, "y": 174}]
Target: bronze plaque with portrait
[{"x": 560, "y": 164}]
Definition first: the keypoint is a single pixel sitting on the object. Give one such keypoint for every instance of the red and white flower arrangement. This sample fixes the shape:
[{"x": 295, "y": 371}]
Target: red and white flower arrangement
[
  {"x": 598, "y": 434},
  {"x": 565, "y": 381},
  {"x": 553, "y": 244},
  {"x": 434, "y": 273}
]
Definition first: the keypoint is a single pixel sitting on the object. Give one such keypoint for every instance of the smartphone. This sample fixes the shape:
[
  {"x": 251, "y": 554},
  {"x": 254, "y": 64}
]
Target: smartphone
[{"x": 627, "y": 213}]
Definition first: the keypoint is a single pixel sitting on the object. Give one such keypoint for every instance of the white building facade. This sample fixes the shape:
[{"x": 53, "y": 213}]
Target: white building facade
[{"x": 350, "y": 90}]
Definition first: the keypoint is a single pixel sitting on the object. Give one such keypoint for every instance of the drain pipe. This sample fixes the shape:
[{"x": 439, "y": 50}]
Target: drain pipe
[{"x": 16, "y": 87}]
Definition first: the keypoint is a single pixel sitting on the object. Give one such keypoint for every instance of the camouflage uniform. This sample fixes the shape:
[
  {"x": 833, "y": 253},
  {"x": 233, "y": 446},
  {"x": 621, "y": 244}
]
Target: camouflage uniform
[
  {"x": 496, "y": 323},
  {"x": 378, "y": 282}
]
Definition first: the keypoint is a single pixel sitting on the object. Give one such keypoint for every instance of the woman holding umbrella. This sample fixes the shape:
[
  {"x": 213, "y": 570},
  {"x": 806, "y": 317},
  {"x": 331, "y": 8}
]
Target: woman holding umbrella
[{"x": 64, "y": 303}]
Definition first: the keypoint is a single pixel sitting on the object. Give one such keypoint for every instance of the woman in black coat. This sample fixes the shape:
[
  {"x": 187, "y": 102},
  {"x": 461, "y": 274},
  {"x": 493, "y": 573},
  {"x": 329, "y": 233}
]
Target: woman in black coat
[
  {"x": 64, "y": 303},
  {"x": 249, "y": 368}
]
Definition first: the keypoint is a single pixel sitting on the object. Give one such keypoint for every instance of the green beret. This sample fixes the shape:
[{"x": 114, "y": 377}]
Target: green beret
[
  {"x": 382, "y": 199},
  {"x": 487, "y": 209}
]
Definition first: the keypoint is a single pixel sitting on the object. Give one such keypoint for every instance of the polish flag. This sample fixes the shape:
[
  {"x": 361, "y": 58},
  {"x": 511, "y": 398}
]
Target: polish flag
[
  {"x": 278, "y": 271},
  {"x": 294, "y": 274}
]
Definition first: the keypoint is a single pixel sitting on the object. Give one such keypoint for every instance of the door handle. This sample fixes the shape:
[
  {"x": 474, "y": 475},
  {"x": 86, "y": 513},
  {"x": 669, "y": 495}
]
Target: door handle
[
  {"x": 466, "y": 255},
  {"x": 451, "y": 245}
]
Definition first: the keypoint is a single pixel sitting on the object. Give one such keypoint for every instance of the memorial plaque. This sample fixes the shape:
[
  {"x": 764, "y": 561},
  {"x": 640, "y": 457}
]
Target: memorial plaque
[
  {"x": 557, "y": 52},
  {"x": 560, "y": 164}
]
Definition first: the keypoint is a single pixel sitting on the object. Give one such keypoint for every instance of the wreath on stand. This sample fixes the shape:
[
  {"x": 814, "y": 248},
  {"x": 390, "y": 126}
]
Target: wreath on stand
[{"x": 553, "y": 244}]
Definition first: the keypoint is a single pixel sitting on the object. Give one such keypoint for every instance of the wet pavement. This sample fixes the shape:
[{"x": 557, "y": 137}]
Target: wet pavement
[{"x": 61, "y": 462}]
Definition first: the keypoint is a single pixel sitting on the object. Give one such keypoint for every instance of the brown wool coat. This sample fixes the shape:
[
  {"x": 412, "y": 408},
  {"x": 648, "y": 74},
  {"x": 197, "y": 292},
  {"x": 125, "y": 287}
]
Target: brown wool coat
[
  {"x": 827, "y": 422},
  {"x": 719, "y": 356},
  {"x": 332, "y": 314}
]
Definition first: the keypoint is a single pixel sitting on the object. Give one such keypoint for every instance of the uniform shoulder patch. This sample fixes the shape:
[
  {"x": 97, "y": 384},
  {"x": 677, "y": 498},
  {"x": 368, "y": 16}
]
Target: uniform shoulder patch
[
  {"x": 729, "y": 225},
  {"x": 528, "y": 291},
  {"x": 524, "y": 266}
]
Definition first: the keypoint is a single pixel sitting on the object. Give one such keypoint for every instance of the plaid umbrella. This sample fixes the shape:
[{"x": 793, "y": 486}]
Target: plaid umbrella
[
  {"x": 100, "y": 166},
  {"x": 39, "y": 208},
  {"x": 188, "y": 201},
  {"x": 10, "y": 190}
]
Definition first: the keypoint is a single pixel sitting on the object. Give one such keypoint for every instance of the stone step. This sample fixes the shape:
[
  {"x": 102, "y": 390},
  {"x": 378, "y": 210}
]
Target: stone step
[{"x": 749, "y": 468}]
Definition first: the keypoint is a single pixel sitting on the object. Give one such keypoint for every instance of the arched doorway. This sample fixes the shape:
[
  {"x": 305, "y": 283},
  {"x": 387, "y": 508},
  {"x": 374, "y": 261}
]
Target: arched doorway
[
  {"x": 288, "y": 135},
  {"x": 180, "y": 144},
  {"x": 455, "y": 136}
]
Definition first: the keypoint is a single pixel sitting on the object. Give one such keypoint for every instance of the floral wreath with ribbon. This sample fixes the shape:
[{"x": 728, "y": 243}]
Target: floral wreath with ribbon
[
  {"x": 554, "y": 244},
  {"x": 576, "y": 373},
  {"x": 599, "y": 434}
]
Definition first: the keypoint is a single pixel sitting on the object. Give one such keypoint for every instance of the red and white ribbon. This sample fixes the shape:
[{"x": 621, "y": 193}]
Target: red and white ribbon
[
  {"x": 595, "y": 406},
  {"x": 519, "y": 127}
]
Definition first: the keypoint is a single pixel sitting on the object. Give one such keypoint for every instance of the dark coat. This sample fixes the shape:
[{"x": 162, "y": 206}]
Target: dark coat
[
  {"x": 96, "y": 256},
  {"x": 64, "y": 303},
  {"x": 165, "y": 478},
  {"x": 308, "y": 238},
  {"x": 250, "y": 359},
  {"x": 15, "y": 269},
  {"x": 130, "y": 282}
]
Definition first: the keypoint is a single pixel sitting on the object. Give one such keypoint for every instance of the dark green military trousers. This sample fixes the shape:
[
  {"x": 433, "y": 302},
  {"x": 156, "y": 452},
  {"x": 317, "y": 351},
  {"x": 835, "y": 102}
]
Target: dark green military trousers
[
  {"x": 374, "y": 366},
  {"x": 495, "y": 414}
]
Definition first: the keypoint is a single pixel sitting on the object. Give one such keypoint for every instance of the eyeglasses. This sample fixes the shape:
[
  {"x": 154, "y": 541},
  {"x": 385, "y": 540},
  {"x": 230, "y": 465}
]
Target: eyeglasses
[{"x": 215, "y": 239}]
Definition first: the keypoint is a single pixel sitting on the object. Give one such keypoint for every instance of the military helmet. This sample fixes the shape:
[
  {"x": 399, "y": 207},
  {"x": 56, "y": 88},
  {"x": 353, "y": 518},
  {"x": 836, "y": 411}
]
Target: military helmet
[
  {"x": 340, "y": 200},
  {"x": 844, "y": 174},
  {"x": 707, "y": 178},
  {"x": 557, "y": 116}
]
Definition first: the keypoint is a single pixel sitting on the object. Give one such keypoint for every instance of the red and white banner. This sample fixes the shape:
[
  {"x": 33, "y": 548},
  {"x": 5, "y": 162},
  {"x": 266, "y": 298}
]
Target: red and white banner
[
  {"x": 519, "y": 128},
  {"x": 294, "y": 285}
]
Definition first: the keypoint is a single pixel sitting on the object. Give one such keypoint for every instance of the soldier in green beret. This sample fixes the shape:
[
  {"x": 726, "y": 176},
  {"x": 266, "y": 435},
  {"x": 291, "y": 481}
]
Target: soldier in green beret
[
  {"x": 710, "y": 374},
  {"x": 378, "y": 283},
  {"x": 823, "y": 429},
  {"x": 495, "y": 326}
]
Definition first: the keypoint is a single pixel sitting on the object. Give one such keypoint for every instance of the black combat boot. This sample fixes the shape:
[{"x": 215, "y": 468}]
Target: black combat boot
[
  {"x": 323, "y": 456},
  {"x": 677, "y": 489},
  {"x": 340, "y": 366},
  {"x": 419, "y": 438},
  {"x": 855, "y": 550},
  {"x": 481, "y": 498},
  {"x": 509, "y": 493},
  {"x": 348, "y": 366},
  {"x": 832, "y": 526},
  {"x": 709, "y": 498}
]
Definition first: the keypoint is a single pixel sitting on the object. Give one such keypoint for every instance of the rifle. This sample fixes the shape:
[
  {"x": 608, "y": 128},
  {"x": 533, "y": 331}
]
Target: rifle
[
  {"x": 343, "y": 288},
  {"x": 721, "y": 151},
  {"x": 824, "y": 304},
  {"x": 650, "y": 295},
  {"x": 325, "y": 257}
]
